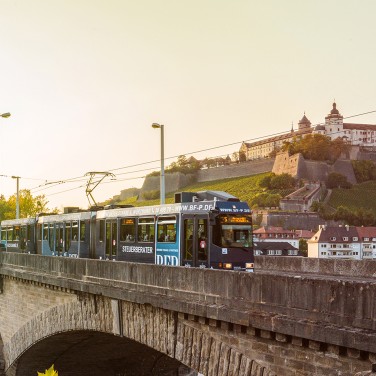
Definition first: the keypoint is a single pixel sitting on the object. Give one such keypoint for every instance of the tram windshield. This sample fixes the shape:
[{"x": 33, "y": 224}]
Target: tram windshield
[{"x": 233, "y": 231}]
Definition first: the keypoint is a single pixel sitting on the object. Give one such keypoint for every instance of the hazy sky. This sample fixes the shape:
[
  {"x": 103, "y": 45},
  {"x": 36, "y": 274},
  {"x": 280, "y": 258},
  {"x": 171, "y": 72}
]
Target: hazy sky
[{"x": 85, "y": 79}]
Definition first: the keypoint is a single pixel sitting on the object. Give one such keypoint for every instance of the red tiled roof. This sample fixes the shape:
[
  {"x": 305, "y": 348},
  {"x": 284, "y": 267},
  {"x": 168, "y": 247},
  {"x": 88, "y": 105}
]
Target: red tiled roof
[
  {"x": 366, "y": 232},
  {"x": 370, "y": 127},
  {"x": 280, "y": 230}
]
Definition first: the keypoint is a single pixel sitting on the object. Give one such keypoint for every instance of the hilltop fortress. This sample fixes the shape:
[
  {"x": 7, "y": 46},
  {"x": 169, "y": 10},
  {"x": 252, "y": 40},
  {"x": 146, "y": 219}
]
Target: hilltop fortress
[{"x": 355, "y": 134}]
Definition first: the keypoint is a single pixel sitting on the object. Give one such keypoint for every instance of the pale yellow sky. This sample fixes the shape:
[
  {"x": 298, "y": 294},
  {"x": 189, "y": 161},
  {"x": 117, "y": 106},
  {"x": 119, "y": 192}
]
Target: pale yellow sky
[{"x": 84, "y": 80}]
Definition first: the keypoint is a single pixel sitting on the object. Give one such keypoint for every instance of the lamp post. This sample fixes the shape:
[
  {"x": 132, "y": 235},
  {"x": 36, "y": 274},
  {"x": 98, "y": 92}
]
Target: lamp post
[
  {"x": 162, "y": 188},
  {"x": 6, "y": 115},
  {"x": 17, "y": 197}
]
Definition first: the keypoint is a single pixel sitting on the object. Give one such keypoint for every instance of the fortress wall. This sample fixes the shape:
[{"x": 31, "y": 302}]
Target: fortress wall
[
  {"x": 236, "y": 170},
  {"x": 173, "y": 182},
  {"x": 293, "y": 165},
  {"x": 301, "y": 220}
]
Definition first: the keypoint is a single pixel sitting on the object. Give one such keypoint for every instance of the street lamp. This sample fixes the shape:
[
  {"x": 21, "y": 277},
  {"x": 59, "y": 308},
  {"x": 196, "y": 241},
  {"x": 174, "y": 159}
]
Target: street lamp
[
  {"x": 17, "y": 197},
  {"x": 162, "y": 188}
]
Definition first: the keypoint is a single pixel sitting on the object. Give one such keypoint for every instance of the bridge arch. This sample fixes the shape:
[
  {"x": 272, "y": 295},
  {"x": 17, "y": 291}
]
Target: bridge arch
[{"x": 165, "y": 332}]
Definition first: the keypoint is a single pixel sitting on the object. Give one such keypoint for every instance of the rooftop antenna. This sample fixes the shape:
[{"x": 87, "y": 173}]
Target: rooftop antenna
[{"x": 91, "y": 184}]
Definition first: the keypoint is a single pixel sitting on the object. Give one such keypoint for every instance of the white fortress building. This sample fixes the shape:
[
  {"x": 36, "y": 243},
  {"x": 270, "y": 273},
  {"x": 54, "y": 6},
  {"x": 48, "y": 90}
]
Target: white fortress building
[{"x": 353, "y": 133}]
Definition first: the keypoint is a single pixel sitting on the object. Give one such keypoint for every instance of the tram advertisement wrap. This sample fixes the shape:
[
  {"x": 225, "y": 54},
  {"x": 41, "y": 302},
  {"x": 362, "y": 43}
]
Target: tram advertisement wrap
[{"x": 167, "y": 255}]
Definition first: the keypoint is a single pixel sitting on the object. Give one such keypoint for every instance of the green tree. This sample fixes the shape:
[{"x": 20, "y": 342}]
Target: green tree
[
  {"x": 337, "y": 147},
  {"x": 29, "y": 205},
  {"x": 242, "y": 156},
  {"x": 315, "y": 146},
  {"x": 264, "y": 200},
  {"x": 265, "y": 181},
  {"x": 303, "y": 247},
  {"x": 282, "y": 181},
  {"x": 336, "y": 180},
  {"x": 364, "y": 170}
]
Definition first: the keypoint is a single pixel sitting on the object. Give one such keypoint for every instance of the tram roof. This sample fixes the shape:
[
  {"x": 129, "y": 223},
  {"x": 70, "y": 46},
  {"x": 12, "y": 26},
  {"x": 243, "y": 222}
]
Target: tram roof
[
  {"x": 20, "y": 221},
  {"x": 65, "y": 217},
  {"x": 199, "y": 207}
]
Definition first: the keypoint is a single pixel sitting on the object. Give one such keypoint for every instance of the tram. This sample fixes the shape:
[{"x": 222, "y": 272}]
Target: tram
[{"x": 208, "y": 229}]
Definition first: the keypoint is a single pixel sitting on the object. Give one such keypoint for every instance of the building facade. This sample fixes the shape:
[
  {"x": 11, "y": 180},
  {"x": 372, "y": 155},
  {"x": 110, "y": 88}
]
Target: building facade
[
  {"x": 343, "y": 242},
  {"x": 276, "y": 235}
]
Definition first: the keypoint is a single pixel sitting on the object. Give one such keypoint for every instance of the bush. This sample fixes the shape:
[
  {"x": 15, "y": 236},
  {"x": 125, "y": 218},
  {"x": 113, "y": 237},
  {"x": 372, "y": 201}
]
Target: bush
[
  {"x": 364, "y": 170},
  {"x": 336, "y": 180},
  {"x": 151, "y": 195}
]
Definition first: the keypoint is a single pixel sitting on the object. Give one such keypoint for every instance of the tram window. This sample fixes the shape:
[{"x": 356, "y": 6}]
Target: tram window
[
  {"x": 29, "y": 233},
  {"x": 68, "y": 231},
  {"x": 51, "y": 236},
  {"x": 45, "y": 232},
  {"x": 3, "y": 234},
  {"x": 188, "y": 239},
  {"x": 127, "y": 229},
  {"x": 166, "y": 229},
  {"x": 101, "y": 230},
  {"x": 82, "y": 231},
  {"x": 10, "y": 233},
  {"x": 233, "y": 231},
  {"x": 23, "y": 234},
  {"x": 74, "y": 230},
  {"x": 39, "y": 231},
  {"x": 146, "y": 229},
  {"x": 16, "y": 233},
  {"x": 202, "y": 239}
]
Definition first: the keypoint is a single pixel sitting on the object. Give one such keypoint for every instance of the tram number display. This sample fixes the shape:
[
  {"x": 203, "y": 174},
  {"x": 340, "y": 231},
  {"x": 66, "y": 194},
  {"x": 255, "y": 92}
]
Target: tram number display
[{"x": 235, "y": 219}]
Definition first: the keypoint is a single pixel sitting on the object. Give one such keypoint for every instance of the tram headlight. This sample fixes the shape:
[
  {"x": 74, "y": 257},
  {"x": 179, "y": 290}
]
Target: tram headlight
[
  {"x": 249, "y": 265},
  {"x": 220, "y": 265},
  {"x": 227, "y": 265}
]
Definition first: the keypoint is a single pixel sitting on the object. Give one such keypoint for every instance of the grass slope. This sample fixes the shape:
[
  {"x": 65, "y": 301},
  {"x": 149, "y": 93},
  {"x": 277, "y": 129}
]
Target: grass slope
[{"x": 359, "y": 196}]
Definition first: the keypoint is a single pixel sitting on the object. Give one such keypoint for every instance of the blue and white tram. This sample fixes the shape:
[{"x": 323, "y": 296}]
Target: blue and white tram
[
  {"x": 207, "y": 234},
  {"x": 206, "y": 229},
  {"x": 18, "y": 235},
  {"x": 64, "y": 234}
]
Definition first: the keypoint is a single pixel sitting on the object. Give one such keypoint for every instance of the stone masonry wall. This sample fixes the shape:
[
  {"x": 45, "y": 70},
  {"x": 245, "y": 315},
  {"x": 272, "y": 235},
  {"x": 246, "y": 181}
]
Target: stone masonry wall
[
  {"x": 176, "y": 181},
  {"x": 300, "y": 168},
  {"x": 236, "y": 170},
  {"x": 210, "y": 346}
]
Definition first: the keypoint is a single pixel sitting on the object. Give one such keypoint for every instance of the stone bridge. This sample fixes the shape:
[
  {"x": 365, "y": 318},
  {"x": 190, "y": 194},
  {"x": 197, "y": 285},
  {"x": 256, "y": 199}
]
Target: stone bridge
[{"x": 292, "y": 316}]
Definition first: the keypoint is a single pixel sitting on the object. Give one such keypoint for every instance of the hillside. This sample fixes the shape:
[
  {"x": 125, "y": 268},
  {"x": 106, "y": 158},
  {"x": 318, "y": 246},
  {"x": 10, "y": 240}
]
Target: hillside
[{"x": 245, "y": 188}]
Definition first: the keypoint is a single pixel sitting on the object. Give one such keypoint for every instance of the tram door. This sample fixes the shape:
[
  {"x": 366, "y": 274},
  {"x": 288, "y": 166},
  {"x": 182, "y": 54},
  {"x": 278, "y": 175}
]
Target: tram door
[
  {"x": 195, "y": 241},
  {"x": 111, "y": 239}
]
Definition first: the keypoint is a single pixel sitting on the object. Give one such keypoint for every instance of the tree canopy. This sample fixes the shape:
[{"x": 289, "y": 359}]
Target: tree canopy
[
  {"x": 29, "y": 205},
  {"x": 316, "y": 147}
]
